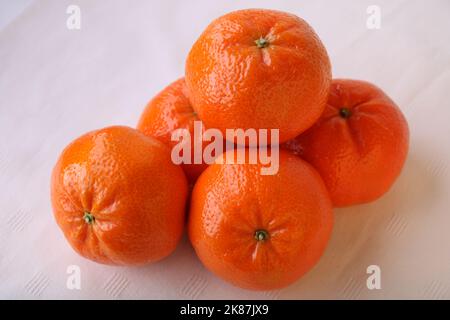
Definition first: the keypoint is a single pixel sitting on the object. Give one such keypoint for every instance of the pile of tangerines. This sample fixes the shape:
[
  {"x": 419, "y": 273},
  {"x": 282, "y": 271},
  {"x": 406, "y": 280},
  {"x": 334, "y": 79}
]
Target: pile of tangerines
[{"x": 120, "y": 199}]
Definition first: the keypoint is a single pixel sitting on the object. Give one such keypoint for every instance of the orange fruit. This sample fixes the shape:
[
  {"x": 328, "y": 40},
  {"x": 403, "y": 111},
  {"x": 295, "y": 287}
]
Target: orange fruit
[
  {"x": 118, "y": 197},
  {"x": 359, "y": 144},
  {"x": 260, "y": 69},
  {"x": 256, "y": 231},
  {"x": 168, "y": 111}
]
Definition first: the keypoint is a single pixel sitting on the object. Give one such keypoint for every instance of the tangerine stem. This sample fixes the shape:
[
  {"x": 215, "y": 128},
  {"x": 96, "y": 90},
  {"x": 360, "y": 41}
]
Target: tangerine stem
[
  {"x": 88, "y": 217},
  {"x": 261, "y": 235},
  {"x": 345, "y": 113},
  {"x": 262, "y": 43}
]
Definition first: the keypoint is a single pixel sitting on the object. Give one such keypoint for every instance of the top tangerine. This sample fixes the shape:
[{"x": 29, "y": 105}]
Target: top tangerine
[{"x": 260, "y": 69}]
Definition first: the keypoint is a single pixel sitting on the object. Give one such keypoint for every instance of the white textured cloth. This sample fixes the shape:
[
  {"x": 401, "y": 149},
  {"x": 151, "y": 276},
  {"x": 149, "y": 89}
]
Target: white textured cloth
[{"x": 56, "y": 84}]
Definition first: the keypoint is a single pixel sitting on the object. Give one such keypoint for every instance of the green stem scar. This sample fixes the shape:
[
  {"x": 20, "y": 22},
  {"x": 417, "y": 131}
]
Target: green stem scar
[
  {"x": 261, "y": 235},
  {"x": 88, "y": 217},
  {"x": 262, "y": 43},
  {"x": 345, "y": 113}
]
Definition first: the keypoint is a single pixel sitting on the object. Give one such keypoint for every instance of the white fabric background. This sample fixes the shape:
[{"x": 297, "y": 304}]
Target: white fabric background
[
  {"x": 56, "y": 84},
  {"x": 9, "y": 10}
]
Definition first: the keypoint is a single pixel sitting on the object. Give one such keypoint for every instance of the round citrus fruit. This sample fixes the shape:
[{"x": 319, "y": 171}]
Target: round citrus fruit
[
  {"x": 168, "y": 111},
  {"x": 118, "y": 197},
  {"x": 359, "y": 145},
  {"x": 260, "y": 69},
  {"x": 256, "y": 231}
]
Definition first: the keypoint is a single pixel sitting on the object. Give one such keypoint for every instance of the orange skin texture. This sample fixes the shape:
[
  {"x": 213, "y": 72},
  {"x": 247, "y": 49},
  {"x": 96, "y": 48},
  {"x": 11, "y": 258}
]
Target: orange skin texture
[
  {"x": 236, "y": 84},
  {"x": 129, "y": 184},
  {"x": 168, "y": 111},
  {"x": 231, "y": 201},
  {"x": 361, "y": 156}
]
